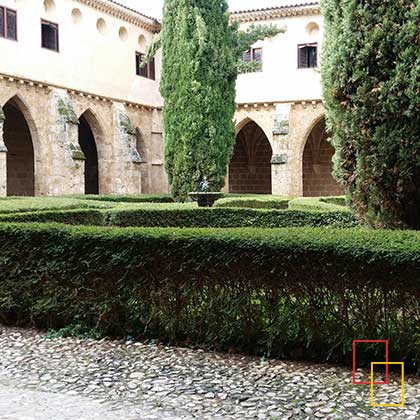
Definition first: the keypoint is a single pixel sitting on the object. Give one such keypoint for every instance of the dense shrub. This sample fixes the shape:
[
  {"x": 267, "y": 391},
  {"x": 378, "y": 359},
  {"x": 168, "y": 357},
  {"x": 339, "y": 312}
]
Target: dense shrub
[
  {"x": 371, "y": 79},
  {"x": 140, "y": 198},
  {"x": 188, "y": 217},
  {"x": 333, "y": 204},
  {"x": 254, "y": 201},
  {"x": 226, "y": 217},
  {"x": 70, "y": 217},
  {"x": 288, "y": 292},
  {"x": 28, "y": 204}
]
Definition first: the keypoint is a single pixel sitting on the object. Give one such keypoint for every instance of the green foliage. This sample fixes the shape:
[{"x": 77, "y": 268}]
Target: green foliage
[
  {"x": 201, "y": 52},
  {"x": 327, "y": 204},
  {"x": 28, "y": 204},
  {"x": 282, "y": 292},
  {"x": 254, "y": 201},
  {"x": 187, "y": 216},
  {"x": 141, "y": 198},
  {"x": 371, "y": 79}
]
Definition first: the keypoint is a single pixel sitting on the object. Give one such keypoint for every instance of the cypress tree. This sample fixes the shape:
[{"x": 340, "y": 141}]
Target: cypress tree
[
  {"x": 201, "y": 54},
  {"x": 371, "y": 83}
]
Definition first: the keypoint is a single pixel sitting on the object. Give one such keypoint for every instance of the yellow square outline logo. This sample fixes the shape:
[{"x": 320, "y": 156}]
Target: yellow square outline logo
[{"x": 372, "y": 396}]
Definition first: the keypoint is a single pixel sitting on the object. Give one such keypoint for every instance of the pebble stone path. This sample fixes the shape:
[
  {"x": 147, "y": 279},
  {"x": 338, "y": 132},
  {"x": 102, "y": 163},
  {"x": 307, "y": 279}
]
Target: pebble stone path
[{"x": 74, "y": 379}]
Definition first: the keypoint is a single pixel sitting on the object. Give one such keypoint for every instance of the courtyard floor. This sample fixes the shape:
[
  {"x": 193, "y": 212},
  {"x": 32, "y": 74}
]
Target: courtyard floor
[{"x": 68, "y": 378}]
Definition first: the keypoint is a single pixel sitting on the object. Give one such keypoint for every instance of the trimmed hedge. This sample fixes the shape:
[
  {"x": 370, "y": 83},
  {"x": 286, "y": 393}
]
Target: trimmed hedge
[
  {"x": 9, "y": 205},
  {"x": 255, "y": 202},
  {"x": 300, "y": 292},
  {"x": 333, "y": 204},
  {"x": 226, "y": 218},
  {"x": 188, "y": 216},
  {"x": 141, "y": 198}
]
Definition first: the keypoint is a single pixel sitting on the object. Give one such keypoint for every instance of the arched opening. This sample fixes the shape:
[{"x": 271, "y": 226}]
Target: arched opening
[
  {"x": 250, "y": 167},
  {"x": 88, "y": 145},
  {"x": 20, "y": 151},
  {"x": 317, "y": 164}
]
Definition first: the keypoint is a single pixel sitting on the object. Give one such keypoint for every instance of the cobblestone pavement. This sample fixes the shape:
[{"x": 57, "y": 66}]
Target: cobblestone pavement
[{"x": 69, "y": 379}]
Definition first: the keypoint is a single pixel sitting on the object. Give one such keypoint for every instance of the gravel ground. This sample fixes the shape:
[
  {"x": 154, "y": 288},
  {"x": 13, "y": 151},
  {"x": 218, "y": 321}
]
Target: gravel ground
[{"x": 69, "y": 379}]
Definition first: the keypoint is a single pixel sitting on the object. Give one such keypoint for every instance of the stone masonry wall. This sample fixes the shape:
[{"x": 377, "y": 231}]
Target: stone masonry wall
[{"x": 52, "y": 117}]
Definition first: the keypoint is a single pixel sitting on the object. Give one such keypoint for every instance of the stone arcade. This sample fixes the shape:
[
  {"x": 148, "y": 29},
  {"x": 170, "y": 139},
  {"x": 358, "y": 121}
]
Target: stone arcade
[{"x": 80, "y": 119}]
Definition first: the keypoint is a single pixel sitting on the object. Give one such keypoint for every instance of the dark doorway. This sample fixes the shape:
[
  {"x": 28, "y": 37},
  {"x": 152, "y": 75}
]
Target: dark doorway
[
  {"x": 250, "y": 167},
  {"x": 318, "y": 180},
  {"x": 88, "y": 146},
  {"x": 20, "y": 152}
]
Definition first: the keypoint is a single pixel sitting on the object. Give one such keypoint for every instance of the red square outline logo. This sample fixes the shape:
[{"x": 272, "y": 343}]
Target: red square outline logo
[{"x": 355, "y": 342}]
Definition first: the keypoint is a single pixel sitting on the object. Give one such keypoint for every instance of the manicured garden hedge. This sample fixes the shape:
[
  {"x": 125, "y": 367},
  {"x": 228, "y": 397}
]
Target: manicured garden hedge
[
  {"x": 254, "y": 201},
  {"x": 139, "y": 198},
  {"x": 319, "y": 204},
  {"x": 187, "y": 216},
  {"x": 301, "y": 292}
]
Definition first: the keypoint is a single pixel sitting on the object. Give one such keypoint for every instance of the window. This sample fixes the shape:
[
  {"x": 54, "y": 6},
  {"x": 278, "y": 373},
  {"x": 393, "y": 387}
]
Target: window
[
  {"x": 148, "y": 70},
  {"x": 49, "y": 35},
  {"x": 8, "y": 23},
  {"x": 255, "y": 54},
  {"x": 307, "y": 56}
]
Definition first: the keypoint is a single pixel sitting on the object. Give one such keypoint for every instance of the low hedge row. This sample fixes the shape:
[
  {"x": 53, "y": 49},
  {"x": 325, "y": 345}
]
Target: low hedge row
[
  {"x": 255, "y": 202},
  {"x": 12, "y": 205},
  {"x": 302, "y": 292},
  {"x": 188, "y": 217},
  {"x": 333, "y": 204},
  {"x": 139, "y": 198}
]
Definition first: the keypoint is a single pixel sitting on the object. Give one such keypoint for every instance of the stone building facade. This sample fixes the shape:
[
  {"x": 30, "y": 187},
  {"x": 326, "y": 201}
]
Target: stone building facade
[
  {"x": 79, "y": 119},
  {"x": 282, "y": 145},
  {"x": 78, "y": 116}
]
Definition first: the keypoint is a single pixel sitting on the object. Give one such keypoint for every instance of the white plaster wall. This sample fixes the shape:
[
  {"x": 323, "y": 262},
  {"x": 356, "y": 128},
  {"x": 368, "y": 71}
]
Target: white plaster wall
[
  {"x": 281, "y": 80},
  {"x": 89, "y": 61}
]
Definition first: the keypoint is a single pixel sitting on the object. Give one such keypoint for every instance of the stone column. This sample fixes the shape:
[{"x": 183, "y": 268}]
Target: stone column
[
  {"x": 3, "y": 158},
  {"x": 159, "y": 177},
  {"x": 68, "y": 160},
  {"x": 127, "y": 170},
  {"x": 280, "y": 162}
]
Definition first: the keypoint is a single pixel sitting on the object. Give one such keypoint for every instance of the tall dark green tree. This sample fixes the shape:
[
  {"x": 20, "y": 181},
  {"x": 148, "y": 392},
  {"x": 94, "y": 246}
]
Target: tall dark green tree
[
  {"x": 371, "y": 83},
  {"x": 201, "y": 59}
]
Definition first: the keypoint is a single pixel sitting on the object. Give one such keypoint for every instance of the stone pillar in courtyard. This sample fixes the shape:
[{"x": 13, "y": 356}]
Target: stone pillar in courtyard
[
  {"x": 3, "y": 159},
  {"x": 68, "y": 160},
  {"x": 127, "y": 170},
  {"x": 281, "y": 169}
]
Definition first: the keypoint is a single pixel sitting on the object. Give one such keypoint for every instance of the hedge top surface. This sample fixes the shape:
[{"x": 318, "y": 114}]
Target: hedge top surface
[{"x": 27, "y": 204}]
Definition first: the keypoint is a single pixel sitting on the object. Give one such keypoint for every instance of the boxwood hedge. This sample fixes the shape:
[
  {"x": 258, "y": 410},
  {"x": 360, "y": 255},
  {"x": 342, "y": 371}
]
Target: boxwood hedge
[
  {"x": 301, "y": 292},
  {"x": 187, "y": 216}
]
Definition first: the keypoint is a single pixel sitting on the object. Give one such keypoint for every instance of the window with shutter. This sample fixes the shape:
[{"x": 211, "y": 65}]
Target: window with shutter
[
  {"x": 148, "y": 70},
  {"x": 307, "y": 56},
  {"x": 8, "y": 23},
  {"x": 49, "y": 33}
]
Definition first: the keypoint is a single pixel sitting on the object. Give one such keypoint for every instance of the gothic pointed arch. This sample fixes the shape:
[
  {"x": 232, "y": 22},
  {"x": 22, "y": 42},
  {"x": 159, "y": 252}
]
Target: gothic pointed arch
[
  {"x": 20, "y": 137},
  {"x": 90, "y": 134},
  {"x": 317, "y": 163},
  {"x": 250, "y": 166}
]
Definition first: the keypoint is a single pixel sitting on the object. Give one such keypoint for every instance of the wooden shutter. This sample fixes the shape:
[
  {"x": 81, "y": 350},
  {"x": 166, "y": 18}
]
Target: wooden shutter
[
  {"x": 302, "y": 57},
  {"x": 313, "y": 56},
  {"x": 50, "y": 36},
  {"x": 11, "y": 25},
  {"x": 152, "y": 70},
  {"x": 247, "y": 56},
  {"x": 257, "y": 57}
]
